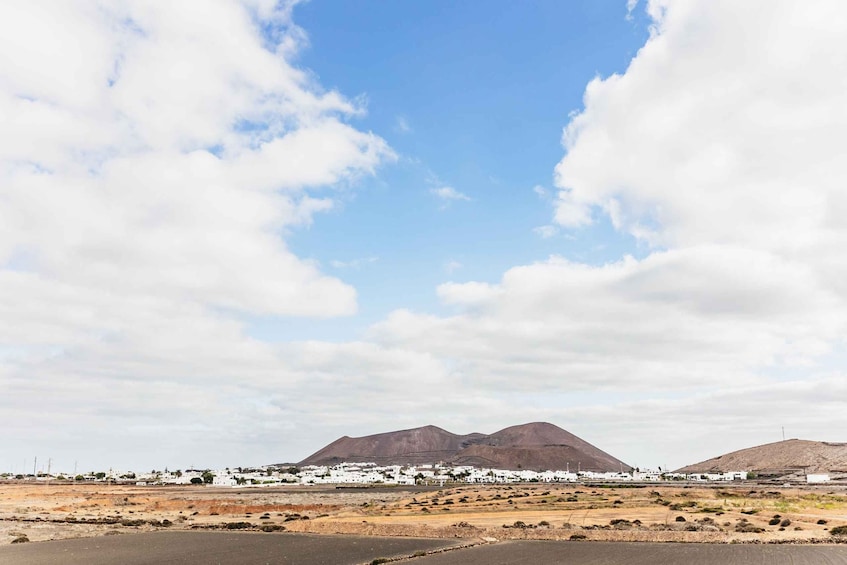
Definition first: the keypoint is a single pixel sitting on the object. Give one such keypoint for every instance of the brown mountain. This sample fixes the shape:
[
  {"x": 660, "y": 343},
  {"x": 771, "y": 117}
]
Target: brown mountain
[
  {"x": 779, "y": 458},
  {"x": 530, "y": 446},
  {"x": 429, "y": 444}
]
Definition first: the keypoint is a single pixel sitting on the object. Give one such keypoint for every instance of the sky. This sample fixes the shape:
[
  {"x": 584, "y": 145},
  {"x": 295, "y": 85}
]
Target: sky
[{"x": 232, "y": 231}]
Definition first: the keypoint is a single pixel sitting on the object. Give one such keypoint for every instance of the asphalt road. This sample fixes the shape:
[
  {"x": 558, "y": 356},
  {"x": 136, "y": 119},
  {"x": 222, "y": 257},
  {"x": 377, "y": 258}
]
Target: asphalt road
[
  {"x": 219, "y": 548},
  {"x": 215, "y": 548}
]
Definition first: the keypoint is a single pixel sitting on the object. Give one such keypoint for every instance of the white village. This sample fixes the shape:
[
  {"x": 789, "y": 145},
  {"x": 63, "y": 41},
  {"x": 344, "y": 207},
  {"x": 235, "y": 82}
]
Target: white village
[{"x": 372, "y": 474}]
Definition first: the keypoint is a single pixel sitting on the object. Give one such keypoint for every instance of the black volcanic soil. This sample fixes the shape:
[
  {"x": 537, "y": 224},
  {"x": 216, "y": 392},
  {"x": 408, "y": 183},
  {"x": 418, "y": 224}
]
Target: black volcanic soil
[
  {"x": 523, "y": 552},
  {"x": 190, "y": 548}
]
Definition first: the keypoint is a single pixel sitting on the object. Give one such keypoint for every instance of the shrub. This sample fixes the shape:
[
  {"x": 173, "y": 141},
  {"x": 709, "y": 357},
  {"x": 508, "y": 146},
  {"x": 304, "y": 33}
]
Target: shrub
[
  {"x": 748, "y": 528},
  {"x": 577, "y": 537},
  {"x": 785, "y": 523},
  {"x": 680, "y": 519},
  {"x": 21, "y": 539},
  {"x": 838, "y": 531},
  {"x": 773, "y": 521},
  {"x": 128, "y": 522},
  {"x": 821, "y": 522}
]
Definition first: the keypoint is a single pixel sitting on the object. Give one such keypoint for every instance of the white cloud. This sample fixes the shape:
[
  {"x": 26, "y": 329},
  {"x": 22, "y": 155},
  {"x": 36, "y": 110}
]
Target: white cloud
[
  {"x": 152, "y": 156},
  {"x": 631, "y": 5},
  {"x": 541, "y": 192},
  {"x": 354, "y": 263},
  {"x": 452, "y": 266},
  {"x": 465, "y": 294},
  {"x": 675, "y": 320},
  {"x": 137, "y": 230},
  {"x": 448, "y": 194},
  {"x": 546, "y": 232},
  {"x": 402, "y": 125},
  {"x": 722, "y": 110}
]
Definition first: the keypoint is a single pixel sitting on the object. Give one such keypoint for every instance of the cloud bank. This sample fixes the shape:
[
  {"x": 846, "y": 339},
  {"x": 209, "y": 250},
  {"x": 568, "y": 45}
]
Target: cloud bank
[{"x": 155, "y": 160}]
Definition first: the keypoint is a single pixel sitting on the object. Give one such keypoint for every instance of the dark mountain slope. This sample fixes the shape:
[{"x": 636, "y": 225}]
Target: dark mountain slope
[{"x": 537, "y": 446}]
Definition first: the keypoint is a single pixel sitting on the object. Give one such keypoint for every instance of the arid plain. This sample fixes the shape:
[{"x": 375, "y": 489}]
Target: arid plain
[{"x": 731, "y": 513}]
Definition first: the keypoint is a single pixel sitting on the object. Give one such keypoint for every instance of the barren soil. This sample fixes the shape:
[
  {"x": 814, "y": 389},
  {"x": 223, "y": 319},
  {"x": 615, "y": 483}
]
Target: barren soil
[{"x": 722, "y": 514}]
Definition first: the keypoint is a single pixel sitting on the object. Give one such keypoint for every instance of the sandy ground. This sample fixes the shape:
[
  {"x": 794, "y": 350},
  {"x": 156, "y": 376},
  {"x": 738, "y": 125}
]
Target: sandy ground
[{"x": 722, "y": 514}]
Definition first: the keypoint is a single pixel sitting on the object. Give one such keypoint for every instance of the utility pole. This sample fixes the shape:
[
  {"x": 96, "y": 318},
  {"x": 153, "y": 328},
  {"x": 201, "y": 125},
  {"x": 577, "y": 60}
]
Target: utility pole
[
  {"x": 34, "y": 465},
  {"x": 783, "y": 433}
]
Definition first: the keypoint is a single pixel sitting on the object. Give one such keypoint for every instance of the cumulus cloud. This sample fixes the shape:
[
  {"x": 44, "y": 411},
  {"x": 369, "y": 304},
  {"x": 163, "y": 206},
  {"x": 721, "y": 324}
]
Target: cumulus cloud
[
  {"x": 153, "y": 158},
  {"x": 674, "y": 320},
  {"x": 141, "y": 220},
  {"x": 722, "y": 129}
]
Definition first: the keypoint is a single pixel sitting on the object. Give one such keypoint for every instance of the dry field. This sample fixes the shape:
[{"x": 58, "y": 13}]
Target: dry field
[{"x": 720, "y": 514}]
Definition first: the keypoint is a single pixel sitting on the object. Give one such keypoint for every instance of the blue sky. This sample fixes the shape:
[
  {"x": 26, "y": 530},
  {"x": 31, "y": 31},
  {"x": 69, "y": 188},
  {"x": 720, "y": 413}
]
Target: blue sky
[
  {"x": 232, "y": 231},
  {"x": 484, "y": 93}
]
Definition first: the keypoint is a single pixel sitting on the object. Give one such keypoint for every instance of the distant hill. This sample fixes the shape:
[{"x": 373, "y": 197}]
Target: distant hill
[
  {"x": 537, "y": 446},
  {"x": 779, "y": 458}
]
